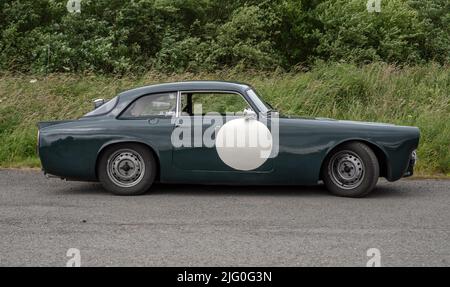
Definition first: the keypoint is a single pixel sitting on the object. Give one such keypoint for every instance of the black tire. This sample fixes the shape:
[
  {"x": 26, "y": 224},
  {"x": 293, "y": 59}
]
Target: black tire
[
  {"x": 351, "y": 170},
  {"x": 117, "y": 161}
]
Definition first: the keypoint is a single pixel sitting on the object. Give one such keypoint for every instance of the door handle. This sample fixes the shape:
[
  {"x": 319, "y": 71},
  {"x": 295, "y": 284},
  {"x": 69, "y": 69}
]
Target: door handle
[{"x": 153, "y": 121}]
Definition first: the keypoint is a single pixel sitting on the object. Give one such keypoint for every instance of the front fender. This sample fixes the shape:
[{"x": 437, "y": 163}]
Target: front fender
[{"x": 380, "y": 152}]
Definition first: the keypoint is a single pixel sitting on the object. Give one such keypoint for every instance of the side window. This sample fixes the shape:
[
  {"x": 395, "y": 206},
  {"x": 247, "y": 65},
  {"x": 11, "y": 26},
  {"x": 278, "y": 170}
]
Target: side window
[
  {"x": 152, "y": 105},
  {"x": 221, "y": 103}
]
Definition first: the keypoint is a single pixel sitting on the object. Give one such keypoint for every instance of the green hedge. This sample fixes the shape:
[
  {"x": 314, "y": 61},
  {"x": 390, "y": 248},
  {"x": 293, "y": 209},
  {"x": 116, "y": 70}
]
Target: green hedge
[{"x": 122, "y": 36}]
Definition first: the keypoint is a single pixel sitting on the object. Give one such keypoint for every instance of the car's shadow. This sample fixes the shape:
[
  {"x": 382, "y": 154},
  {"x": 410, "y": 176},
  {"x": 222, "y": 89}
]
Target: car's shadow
[
  {"x": 221, "y": 190},
  {"x": 382, "y": 191}
]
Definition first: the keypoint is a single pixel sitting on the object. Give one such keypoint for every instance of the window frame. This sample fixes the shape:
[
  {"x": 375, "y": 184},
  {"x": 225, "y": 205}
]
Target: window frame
[
  {"x": 178, "y": 113},
  {"x": 258, "y": 98},
  {"x": 122, "y": 117},
  {"x": 178, "y": 102}
]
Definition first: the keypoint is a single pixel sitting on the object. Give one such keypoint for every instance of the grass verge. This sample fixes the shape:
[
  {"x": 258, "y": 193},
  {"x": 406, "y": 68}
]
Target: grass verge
[{"x": 417, "y": 96}]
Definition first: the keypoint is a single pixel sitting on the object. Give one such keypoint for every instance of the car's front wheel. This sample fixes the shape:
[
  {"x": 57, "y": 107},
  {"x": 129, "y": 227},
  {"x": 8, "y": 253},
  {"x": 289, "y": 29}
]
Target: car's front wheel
[
  {"x": 351, "y": 170},
  {"x": 127, "y": 169}
]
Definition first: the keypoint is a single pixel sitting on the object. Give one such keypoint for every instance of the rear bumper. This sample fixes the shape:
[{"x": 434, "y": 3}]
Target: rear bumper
[{"x": 48, "y": 175}]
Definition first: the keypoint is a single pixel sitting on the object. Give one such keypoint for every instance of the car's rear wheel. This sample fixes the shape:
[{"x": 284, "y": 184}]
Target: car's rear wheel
[
  {"x": 351, "y": 170},
  {"x": 127, "y": 169}
]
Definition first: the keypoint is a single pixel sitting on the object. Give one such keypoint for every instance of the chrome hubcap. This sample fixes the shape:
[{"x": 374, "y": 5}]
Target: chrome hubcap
[
  {"x": 126, "y": 168},
  {"x": 346, "y": 169}
]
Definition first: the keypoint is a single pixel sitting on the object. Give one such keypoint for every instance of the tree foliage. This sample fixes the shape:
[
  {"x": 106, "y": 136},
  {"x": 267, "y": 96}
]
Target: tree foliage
[{"x": 120, "y": 36}]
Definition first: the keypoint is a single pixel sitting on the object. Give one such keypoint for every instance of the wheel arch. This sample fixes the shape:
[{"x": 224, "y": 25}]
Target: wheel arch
[
  {"x": 117, "y": 142},
  {"x": 378, "y": 151}
]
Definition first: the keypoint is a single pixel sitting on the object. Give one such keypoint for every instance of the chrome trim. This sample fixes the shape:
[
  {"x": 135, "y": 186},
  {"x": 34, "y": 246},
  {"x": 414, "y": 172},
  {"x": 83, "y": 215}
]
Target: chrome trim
[
  {"x": 38, "y": 142},
  {"x": 178, "y": 112},
  {"x": 211, "y": 92},
  {"x": 414, "y": 156},
  {"x": 98, "y": 103},
  {"x": 49, "y": 176}
]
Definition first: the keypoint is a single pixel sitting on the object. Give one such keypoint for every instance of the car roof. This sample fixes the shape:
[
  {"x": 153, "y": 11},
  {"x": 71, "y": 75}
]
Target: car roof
[{"x": 186, "y": 85}]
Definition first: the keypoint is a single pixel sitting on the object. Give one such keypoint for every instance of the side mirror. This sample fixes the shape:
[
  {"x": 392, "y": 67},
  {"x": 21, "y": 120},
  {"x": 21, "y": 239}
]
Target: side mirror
[
  {"x": 98, "y": 103},
  {"x": 249, "y": 114}
]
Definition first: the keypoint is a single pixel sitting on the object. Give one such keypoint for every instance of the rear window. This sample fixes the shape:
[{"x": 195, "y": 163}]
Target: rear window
[
  {"x": 152, "y": 105},
  {"x": 103, "y": 109}
]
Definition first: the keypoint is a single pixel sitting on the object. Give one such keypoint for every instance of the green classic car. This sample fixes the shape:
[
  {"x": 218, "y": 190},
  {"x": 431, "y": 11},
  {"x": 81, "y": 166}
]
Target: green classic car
[{"x": 213, "y": 132}]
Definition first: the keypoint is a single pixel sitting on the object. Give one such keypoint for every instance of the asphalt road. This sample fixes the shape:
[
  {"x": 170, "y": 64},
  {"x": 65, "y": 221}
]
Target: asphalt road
[{"x": 40, "y": 219}]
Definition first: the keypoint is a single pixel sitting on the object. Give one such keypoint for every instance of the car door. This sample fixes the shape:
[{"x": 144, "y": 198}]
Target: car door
[
  {"x": 150, "y": 118},
  {"x": 202, "y": 117}
]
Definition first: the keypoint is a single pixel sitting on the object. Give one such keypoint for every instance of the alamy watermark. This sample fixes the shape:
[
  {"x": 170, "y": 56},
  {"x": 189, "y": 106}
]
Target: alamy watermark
[
  {"x": 373, "y": 6},
  {"x": 74, "y": 6},
  {"x": 375, "y": 257},
  {"x": 248, "y": 131},
  {"x": 74, "y": 255}
]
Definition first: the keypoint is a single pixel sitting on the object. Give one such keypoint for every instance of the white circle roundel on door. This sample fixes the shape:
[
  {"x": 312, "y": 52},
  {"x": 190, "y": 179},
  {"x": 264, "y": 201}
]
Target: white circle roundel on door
[{"x": 244, "y": 144}]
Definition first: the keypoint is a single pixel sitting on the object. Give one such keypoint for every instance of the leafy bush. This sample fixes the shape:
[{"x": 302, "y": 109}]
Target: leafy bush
[
  {"x": 435, "y": 21},
  {"x": 350, "y": 33},
  {"x": 124, "y": 36}
]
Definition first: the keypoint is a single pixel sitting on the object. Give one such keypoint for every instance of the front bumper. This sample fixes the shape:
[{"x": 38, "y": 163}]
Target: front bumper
[
  {"x": 37, "y": 142},
  {"x": 412, "y": 162}
]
